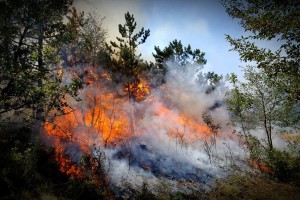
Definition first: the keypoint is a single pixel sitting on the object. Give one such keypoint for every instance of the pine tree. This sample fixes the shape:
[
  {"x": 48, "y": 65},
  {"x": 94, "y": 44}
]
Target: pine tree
[
  {"x": 175, "y": 52},
  {"x": 127, "y": 65}
]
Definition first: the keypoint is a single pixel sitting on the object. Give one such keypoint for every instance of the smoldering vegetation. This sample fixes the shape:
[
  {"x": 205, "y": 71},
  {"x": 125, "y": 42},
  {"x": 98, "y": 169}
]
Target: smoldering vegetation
[
  {"x": 180, "y": 138},
  {"x": 85, "y": 118}
]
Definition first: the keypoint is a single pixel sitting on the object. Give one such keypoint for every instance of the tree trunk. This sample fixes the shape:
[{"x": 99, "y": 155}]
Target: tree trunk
[
  {"x": 131, "y": 110},
  {"x": 39, "y": 109},
  {"x": 265, "y": 121}
]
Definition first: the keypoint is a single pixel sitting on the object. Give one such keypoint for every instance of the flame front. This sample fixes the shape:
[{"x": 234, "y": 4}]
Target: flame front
[{"x": 104, "y": 117}]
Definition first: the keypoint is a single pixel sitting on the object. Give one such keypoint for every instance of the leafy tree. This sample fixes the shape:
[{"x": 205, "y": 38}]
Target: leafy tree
[
  {"x": 179, "y": 54},
  {"x": 255, "y": 105},
  {"x": 237, "y": 104},
  {"x": 258, "y": 98},
  {"x": 85, "y": 48},
  {"x": 126, "y": 66},
  {"x": 30, "y": 34},
  {"x": 71, "y": 50},
  {"x": 269, "y": 100},
  {"x": 93, "y": 38},
  {"x": 270, "y": 20},
  {"x": 86, "y": 39}
]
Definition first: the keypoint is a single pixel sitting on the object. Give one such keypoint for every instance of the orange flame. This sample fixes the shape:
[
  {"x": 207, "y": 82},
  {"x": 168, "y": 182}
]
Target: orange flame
[
  {"x": 262, "y": 167},
  {"x": 103, "y": 117},
  {"x": 139, "y": 90}
]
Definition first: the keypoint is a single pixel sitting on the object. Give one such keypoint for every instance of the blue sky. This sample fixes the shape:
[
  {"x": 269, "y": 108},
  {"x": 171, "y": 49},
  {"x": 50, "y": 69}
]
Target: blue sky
[
  {"x": 203, "y": 24},
  {"x": 200, "y": 23}
]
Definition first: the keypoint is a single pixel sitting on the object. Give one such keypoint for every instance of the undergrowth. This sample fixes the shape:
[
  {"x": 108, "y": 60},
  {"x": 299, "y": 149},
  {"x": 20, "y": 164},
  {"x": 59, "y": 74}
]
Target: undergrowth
[{"x": 28, "y": 171}]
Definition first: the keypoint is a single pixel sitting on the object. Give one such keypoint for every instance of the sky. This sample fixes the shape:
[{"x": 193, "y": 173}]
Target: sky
[{"x": 200, "y": 23}]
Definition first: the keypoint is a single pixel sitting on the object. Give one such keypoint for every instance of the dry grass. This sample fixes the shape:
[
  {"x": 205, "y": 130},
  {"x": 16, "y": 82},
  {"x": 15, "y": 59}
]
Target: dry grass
[
  {"x": 252, "y": 186},
  {"x": 290, "y": 137}
]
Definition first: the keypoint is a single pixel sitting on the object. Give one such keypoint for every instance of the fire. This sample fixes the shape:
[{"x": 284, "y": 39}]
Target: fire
[
  {"x": 183, "y": 127},
  {"x": 140, "y": 90},
  {"x": 106, "y": 118},
  {"x": 146, "y": 167},
  {"x": 262, "y": 167},
  {"x": 66, "y": 166}
]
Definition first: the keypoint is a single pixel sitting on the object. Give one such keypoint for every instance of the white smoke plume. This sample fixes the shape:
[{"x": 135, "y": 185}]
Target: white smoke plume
[{"x": 169, "y": 140}]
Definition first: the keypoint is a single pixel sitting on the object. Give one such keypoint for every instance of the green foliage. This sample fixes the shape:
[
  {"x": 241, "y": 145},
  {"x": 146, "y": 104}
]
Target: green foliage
[
  {"x": 270, "y": 99},
  {"x": 283, "y": 165},
  {"x": 294, "y": 148},
  {"x": 257, "y": 152},
  {"x": 177, "y": 53},
  {"x": 126, "y": 65},
  {"x": 270, "y": 20},
  {"x": 26, "y": 158},
  {"x": 257, "y": 97},
  {"x": 86, "y": 40},
  {"x": 212, "y": 82},
  {"x": 184, "y": 56},
  {"x": 31, "y": 34},
  {"x": 28, "y": 171}
]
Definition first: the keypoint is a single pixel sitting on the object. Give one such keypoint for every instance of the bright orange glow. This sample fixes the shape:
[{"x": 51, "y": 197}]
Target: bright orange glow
[
  {"x": 139, "y": 90},
  {"x": 66, "y": 166},
  {"x": 105, "y": 115},
  {"x": 262, "y": 167}
]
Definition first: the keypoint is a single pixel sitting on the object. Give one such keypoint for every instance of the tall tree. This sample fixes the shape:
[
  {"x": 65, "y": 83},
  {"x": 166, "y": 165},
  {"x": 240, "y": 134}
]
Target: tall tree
[
  {"x": 93, "y": 36},
  {"x": 269, "y": 100},
  {"x": 87, "y": 38},
  {"x": 258, "y": 98},
  {"x": 126, "y": 66},
  {"x": 259, "y": 112},
  {"x": 126, "y": 63},
  {"x": 86, "y": 44},
  {"x": 270, "y": 20},
  {"x": 184, "y": 56},
  {"x": 176, "y": 52},
  {"x": 30, "y": 34}
]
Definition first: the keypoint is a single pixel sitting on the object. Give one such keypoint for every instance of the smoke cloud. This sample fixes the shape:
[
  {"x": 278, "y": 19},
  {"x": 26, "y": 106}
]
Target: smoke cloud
[{"x": 169, "y": 137}]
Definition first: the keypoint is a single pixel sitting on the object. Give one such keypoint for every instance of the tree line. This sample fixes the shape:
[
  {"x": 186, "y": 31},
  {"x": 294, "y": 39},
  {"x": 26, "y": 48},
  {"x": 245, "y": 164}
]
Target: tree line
[
  {"x": 268, "y": 101},
  {"x": 36, "y": 43},
  {"x": 40, "y": 38}
]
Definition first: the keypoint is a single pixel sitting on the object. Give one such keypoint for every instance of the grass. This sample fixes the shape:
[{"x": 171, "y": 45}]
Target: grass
[
  {"x": 254, "y": 186},
  {"x": 27, "y": 171}
]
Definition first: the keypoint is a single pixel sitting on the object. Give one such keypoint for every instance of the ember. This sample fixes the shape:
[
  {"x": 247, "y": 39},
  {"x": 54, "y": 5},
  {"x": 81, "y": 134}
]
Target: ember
[{"x": 146, "y": 167}]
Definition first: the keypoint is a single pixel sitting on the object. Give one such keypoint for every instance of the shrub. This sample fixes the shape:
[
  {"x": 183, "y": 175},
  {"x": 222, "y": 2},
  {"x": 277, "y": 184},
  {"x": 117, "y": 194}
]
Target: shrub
[{"x": 283, "y": 164}]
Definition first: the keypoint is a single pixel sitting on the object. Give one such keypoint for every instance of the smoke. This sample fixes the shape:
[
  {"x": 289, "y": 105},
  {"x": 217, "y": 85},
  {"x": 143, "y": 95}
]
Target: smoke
[
  {"x": 171, "y": 146},
  {"x": 169, "y": 138}
]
